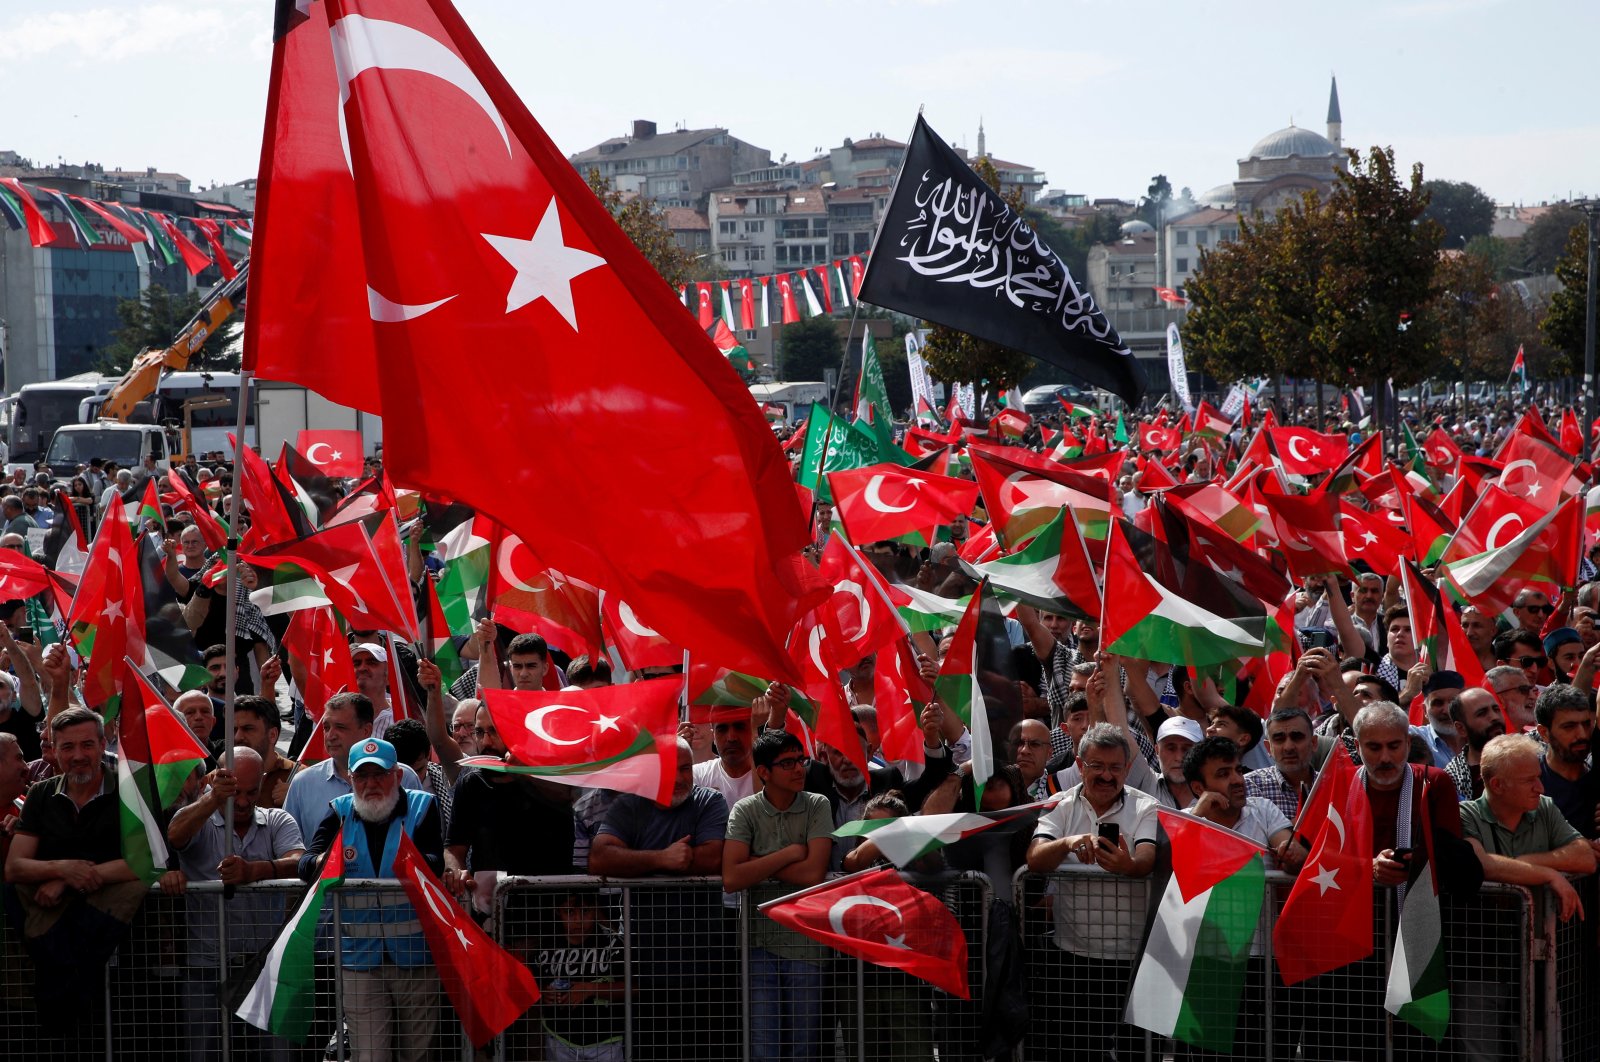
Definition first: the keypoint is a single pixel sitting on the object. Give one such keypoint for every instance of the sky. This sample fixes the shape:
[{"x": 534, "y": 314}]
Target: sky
[{"x": 1099, "y": 95}]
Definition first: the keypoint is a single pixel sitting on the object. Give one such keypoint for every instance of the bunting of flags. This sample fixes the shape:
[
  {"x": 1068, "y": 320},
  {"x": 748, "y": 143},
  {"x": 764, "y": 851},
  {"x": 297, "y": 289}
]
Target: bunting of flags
[{"x": 801, "y": 294}]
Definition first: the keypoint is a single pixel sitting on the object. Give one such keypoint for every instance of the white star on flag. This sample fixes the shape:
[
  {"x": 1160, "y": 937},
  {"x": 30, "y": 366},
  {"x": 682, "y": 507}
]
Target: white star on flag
[
  {"x": 545, "y": 266},
  {"x": 113, "y": 610},
  {"x": 1326, "y": 879},
  {"x": 607, "y": 722}
]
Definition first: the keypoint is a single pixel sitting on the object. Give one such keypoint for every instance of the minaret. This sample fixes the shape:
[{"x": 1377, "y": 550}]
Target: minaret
[
  {"x": 982, "y": 151},
  {"x": 1335, "y": 126}
]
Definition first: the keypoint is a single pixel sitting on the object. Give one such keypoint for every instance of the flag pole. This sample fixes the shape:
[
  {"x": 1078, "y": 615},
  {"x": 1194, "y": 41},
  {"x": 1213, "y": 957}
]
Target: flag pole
[
  {"x": 828, "y": 884},
  {"x": 833, "y": 401},
  {"x": 231, "y": 608}
]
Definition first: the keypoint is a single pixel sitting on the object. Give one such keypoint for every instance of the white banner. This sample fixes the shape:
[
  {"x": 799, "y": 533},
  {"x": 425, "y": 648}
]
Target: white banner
[
  {"x": 1175, "y": 367},
  {"x": 921, "y": 382},
  {"x": 967, "y": 399},
  {"x": 1233, "y": 405}
]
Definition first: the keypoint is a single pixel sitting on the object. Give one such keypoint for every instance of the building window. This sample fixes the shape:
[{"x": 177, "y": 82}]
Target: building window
[
  {"x": 841, "y": 243},
  {"x": 727, "y": 228},
  {"x": 780, "y": 254},
  {"x": 756, "y": 254},
  {"x": 1202, "y": 237},
  {"x": 755, "y": 226},
  {"x": 1183, "y": 237},
  {"x": 863, "y": 242},
  {"x": 1182, "y": 265}
]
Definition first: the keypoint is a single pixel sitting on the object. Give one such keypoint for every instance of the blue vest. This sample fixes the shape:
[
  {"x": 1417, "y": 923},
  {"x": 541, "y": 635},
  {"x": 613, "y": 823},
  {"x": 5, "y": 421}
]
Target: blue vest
[{"x": 378, "y": 925}]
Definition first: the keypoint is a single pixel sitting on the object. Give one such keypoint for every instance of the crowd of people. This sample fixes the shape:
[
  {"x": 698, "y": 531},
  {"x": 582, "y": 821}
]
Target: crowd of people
[{"x": 1501, "y": 770}]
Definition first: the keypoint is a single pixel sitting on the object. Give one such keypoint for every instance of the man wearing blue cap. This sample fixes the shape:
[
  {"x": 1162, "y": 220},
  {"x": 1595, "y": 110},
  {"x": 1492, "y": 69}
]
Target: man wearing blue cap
[
  {"x": 1564, "y": 647},
  {"x": 389, "y": 990}
]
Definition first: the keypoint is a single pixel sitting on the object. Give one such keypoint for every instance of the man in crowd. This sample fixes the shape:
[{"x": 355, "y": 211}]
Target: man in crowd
[
  {"x": 1440, "y": 733},
  {"x": 390, "y": 991},
  {"x": 1292, "y": 747},
  {"x": 1564, "y": 647},
  {"x": 1103, "y": 822},
  {"x": 346, "y": 722},
  {"x": 1531, "y": 608},
  {"x": 76, "y": 890},
  {"x": 1478, "y": 718},
  {"x": 1479, "y": 628},
  {"x": 371, "y": 663},
  {"x": 730, "y": 772},
  {"x": 1519, "y": 834},
  {"x": 684, "y": 948},
  {"x": 13, "y": 784},
  {"x": 1031, "y": 741},
  {"x": 1515, "y": 693},
  {"x": 1523, "y": 648},
  {"x": 257, "y": 725},
  {"x": 265, "y": 845},
  {"x": 1566, "y": 726},
  {"x": 779, "y": 841}
]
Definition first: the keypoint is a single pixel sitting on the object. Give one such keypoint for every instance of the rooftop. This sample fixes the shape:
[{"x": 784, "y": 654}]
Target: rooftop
[
  {"x": 1202, "y": 218},
  {"x": 627, "y": 148},
  {"x": 1293, "y": 142}
]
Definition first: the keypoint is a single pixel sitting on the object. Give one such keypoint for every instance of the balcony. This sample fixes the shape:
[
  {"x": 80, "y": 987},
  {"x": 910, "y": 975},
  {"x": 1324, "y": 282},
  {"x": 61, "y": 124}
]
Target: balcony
[{"x": 1133, "y": 323}]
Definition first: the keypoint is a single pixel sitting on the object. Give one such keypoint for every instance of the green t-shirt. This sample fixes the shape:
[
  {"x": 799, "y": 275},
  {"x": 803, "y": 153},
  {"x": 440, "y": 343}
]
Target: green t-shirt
[
  {"x": 1544, "y": 829},
  {"x": 756, "y": 822}
]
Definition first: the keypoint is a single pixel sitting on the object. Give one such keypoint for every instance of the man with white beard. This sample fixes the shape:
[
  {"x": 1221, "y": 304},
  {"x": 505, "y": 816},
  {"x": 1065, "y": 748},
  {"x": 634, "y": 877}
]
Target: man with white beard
[
  {"x": 682, "y": 940},
  {"x": 390, "y": 991}
]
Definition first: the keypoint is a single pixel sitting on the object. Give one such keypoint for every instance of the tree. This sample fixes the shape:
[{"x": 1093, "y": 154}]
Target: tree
[
  {"x": 1564, "y": 325},
  {"x": 646, "y": 226},
  {"x": 153, "y": 321},
  {"x": 1461, "y": 209},
  {"x": 1546, "y": 239},
  {"x": 1155, "y": 202},
  {"x": 956, "y": 357},
  {"x": 810, "y": 348},
  {"x": 1335, "y": 291}
]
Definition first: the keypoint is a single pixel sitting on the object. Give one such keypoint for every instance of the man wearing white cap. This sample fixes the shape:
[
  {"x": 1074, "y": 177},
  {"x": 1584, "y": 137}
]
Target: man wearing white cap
[
  {"x": 371, "y": 662},
  {"x": 1157, "y": 771},
  {"x": 390, "y": 990}
]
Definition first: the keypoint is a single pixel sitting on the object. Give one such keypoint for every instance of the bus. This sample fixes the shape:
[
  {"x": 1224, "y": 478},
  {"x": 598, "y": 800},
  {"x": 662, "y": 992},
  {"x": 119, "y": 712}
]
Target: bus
[{"x": 29, "y": 418}]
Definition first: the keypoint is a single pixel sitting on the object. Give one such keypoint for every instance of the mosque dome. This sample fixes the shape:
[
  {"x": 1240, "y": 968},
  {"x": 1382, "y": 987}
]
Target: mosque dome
[
  {"x": 1222, "y": 197},
  {"x": 1293, "y": 141},
  {"x": 1135, "y": 226}
]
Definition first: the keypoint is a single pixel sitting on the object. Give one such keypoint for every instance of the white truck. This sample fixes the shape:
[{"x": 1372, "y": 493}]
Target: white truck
[
  {"x": 283, "y": 410},
  {"x": 794, "y": 399}
]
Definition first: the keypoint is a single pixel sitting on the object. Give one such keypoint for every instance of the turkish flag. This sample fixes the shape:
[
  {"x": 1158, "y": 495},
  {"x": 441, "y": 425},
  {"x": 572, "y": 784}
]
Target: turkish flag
[
  {"x": 213, "y": 234},
  {"x": 1305, "y": 452},
  {"x": 707, "y": 312},
  {"x": 1532, "y": 468},
  {"x": 1439, "y": 450},
  {"x": 1371, "y": 538},
  {"x": 636, "y": 642},
  {"x": 184, "y": 498},
  {"x": 21, "y": 576},
  {"x": 314, "y": 641},
  {"x": 1327, "y": 920},
  {"x": 820, "y": 652},
  {"x": 1154, "y": 437},
  {"x": 486, "y": 984},
  {"x": 1014, "y": 482},
  {"x": 109, "y": 608},
  {"x": 747, "y": 305},
  {"x": 1307, "y": 528},
  {"x": 887, "y": 501},
  {"x": 335, "y": 451},
  {"x": 860, "y": 603},
  {"x": 617, "y": 737},
  {"x": 857, "y": 272},
  {"x": 274, "y": 516},
  {"x": 528, "y": 596},
  {"x": 791, "y": 310},
  {"x": 879, "y": 918},
  {"x": 466, "y": 276},
  {"x": 40, "y": 232},
  {"x": 899, "y": 694}
]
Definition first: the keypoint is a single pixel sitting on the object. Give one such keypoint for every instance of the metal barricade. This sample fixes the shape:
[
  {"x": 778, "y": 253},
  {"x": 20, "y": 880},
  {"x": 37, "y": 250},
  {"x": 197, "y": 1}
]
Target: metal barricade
[
  {"x": 1569, "y": 1017},
  {"x": 1082, "y": 935}
]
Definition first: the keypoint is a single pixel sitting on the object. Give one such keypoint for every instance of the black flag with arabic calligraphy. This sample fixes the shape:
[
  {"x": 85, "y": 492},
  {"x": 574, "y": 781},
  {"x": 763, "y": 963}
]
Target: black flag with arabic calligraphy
[{"x": 952, "y": 251}]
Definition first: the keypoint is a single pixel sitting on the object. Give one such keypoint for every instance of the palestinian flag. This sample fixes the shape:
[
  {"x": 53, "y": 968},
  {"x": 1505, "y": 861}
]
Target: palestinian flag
[
  {"x": 279, "y": 1000},
  {"x": 1210, "y": 423},
  {"x": 440, "y": 643},
  {"x": 712, "y": 687},
  {"x": 1052, "y": 572},
  {"x": 924, "y": 611},
  {"x": 905, "y": 840},
  {"x": 731, "y": 348},
  {"x": 1419, "y": 983},
  {"x": 971, "y": 673},
  {"x": 156, "y": 753},
  {"x": 1191, "y": 976},
  {"x": 1023, "y": 491},
  {"x": 1172, "y": 608},
  {"x": 615, "y": 737},
  {"x": 1546, "y": 550}
]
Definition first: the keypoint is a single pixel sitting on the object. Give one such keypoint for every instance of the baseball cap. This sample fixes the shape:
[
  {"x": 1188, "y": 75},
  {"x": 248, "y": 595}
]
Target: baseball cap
[
  {"x": 1559, "y": 637},
  {"x": 379, "y": 652},
  {"x": 373, "y": 750},
  {"x": 1180, "y": 726}
]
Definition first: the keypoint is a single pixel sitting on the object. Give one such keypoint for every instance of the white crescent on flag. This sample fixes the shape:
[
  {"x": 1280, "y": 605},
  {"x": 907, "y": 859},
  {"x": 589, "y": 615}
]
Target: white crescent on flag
[
  {"x": 837, "y": 912},
  {"x": 311, "y": 453},
  {"x": 863, "y": 608},
  {"x": 1294, "y": 442},
  {"x": 875, "y": 500},
  {"x": 535, "y": 723},
  {"x": 508, "y": 570},
  {"x": 629, "y": 620},
  {"x": 1492, "y": 539}
]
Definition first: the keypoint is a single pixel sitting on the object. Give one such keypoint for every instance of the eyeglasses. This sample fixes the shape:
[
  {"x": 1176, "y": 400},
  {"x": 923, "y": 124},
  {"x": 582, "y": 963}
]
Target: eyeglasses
[
  {"x": 460, "y": 728},
  {"x": 1544, "y": 609},
  {"x": 1532, "y": 661},
  {"x": 1104, "y": 768},
  {"x": 1523, "y": 689},
  {"x": 789, "y": 763},
  {"x": 480, "y": 733}
]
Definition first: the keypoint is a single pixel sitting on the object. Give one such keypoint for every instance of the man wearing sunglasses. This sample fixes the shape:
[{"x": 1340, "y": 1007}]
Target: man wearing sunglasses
[
  {"x": 1523, "y": 648},
  {"x": 1515, "y": 693},
  {"x": 1531, "y": 608}
]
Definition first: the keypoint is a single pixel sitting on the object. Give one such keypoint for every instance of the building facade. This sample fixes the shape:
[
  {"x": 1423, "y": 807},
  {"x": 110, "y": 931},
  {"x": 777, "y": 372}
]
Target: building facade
[{"x": 676, "y": 169}]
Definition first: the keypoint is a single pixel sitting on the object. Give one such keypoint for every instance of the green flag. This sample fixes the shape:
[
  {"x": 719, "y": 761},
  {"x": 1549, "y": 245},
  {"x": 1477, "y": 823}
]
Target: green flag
[
  {"x": 872, "y": 400},
  {"x": 832, "y": 445}
]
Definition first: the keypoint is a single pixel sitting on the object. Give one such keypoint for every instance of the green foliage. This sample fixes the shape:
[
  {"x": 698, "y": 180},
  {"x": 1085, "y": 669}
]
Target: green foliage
[
  {"x": 809, "y": 348},
  {"x": 1156, "y": 199},
  {"x": 1564, "y": 325},
  {"x": 153, "y": 321},
  {"x": 1499, "y": 256},
  {"x": 1461, "y": 209},
  {"x": 956, "y": 357},
  {"x": 646, "y": 226},
  {"x": 1546, "y": 239},
  {"x": 1321, "y": 289}
]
